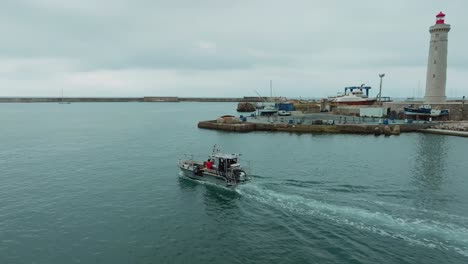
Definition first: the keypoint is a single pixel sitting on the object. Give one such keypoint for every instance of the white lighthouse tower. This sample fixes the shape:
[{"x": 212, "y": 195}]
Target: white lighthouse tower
[{"x": 437, "y": 63}]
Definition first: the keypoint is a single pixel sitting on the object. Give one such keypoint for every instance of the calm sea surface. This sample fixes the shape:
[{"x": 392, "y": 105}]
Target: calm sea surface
[{"x": 98, "y": 183}]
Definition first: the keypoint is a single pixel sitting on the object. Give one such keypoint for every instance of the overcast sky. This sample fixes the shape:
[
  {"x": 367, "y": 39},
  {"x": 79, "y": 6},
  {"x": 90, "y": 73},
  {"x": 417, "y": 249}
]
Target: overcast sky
[{"x": 224, "y": 48}]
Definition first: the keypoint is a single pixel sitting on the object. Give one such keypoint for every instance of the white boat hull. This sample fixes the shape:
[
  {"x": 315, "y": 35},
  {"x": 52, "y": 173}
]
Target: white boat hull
[{"x": 206, "y": 176}]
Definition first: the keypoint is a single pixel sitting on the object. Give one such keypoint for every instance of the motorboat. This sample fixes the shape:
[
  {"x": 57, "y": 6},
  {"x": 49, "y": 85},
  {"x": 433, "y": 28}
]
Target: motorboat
[
  {"x": 426, "y": 110},
  {"x": 284, "y": 113},
  {"x": 220, "y": 168},
  {"x": 352, "y": 99},
  {"x": 268, "y": 110},
  {"x": 355, "y": 96}
]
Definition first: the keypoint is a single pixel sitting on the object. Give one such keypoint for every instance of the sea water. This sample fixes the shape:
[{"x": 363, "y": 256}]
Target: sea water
[{"x": 98, "y": 183}]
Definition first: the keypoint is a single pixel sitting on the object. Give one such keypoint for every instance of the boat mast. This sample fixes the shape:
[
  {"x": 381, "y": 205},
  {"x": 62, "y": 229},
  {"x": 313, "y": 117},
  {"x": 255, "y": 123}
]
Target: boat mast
[
  {"x": 271, "y": 90},
  {"x": 419, "y": 88}
]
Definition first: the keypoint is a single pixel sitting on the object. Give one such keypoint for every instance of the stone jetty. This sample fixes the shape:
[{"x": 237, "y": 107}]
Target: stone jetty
[
  {"x": 377, "y": 129},
  {"x": 449, "y": 128}
]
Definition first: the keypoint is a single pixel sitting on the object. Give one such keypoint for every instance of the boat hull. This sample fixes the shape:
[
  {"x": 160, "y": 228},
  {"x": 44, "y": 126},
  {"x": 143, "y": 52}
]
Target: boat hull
[
  {"x": 205, "y": 176},
  {"x": 416, "y": 111},
  {"x": 364, "y": 102},
  {"x": 425, "y": 111}
]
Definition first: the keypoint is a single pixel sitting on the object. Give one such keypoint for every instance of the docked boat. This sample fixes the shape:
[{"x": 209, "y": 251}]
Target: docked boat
[
  {"x": 352, "y": 99},
  {"x": 220, "y": 168},
  {"x": 354, "y": 95},
  {"x": 284, "y": 113},
  {"x": 268, "y": 110},
  {"x": 426, "y": 110}
]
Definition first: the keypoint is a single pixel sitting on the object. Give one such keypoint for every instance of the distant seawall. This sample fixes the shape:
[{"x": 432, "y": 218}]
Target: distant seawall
[
  {"x": 125, "y": 99},
  {"x": 70, "y": 99}
]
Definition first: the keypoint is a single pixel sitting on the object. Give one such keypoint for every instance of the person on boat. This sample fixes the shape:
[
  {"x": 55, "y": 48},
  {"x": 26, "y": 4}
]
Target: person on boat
[
  {"x": 221, "y": 166},
  {"x": 209, "y": 164}
]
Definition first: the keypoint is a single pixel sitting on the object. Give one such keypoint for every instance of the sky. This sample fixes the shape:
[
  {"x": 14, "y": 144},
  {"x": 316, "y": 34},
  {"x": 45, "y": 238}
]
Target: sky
[{"x": 217, "y": 48}]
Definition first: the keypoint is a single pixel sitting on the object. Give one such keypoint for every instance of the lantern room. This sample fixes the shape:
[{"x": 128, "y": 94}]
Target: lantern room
[{"x": 440, "y": 18}]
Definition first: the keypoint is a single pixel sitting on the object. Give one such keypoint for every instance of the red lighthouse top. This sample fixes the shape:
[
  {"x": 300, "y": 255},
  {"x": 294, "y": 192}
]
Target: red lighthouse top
[{"x": 440, "y": 18}]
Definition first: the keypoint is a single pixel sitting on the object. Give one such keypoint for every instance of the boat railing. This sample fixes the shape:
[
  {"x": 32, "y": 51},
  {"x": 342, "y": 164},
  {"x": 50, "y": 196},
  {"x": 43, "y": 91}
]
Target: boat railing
[{"x": 188, "y": 158}]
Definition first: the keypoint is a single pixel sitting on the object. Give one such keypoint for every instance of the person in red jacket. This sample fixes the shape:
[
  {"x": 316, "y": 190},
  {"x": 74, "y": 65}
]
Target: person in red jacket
[{"x": 209, "y": 164}]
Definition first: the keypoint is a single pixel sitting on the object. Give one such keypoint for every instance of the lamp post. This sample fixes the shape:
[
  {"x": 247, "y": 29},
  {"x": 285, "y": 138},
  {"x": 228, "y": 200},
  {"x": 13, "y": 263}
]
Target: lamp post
[
  {"x": 380, "y": 89},
  {"x": 463, "y": 108}
]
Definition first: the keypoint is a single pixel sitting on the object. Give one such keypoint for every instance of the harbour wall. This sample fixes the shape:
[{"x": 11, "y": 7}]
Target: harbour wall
[
  {"x": 200, "y": 99},
  {"x": 68, "y": 99},
  {"x": 351, "y": 128},
  {"x": 126, "y": 99},
  {"x": 445, "y": 132}
]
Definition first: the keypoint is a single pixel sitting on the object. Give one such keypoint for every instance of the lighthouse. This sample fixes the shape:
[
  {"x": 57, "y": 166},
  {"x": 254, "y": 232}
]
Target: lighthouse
[{"x": 437, "y": 62}]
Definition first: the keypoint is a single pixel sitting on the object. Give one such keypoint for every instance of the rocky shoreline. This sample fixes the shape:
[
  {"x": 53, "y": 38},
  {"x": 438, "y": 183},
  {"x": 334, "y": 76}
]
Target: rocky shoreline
[
  {"x": 459, "y": 129},
  {"x": 453, "y": 126}
]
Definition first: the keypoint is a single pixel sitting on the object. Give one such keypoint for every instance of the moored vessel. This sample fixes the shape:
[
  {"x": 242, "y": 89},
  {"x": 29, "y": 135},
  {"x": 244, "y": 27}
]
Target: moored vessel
[
  {"x": 354, "y": 100},
  {"x": 355, "y": 96},
  {"x": 424, "y": 110}
]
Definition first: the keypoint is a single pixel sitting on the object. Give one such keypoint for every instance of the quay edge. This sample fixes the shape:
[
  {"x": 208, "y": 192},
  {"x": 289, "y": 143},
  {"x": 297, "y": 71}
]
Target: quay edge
[
  {"x": 444, "y": 132},
  {"x": 147, "y": 99},
  {"x": 348, "y": 128}
]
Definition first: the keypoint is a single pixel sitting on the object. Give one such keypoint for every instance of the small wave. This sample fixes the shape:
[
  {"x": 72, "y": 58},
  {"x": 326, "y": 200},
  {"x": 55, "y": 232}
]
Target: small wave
[
  {"x": 440, "y": 214},
  {"x": 328, "y": 186},
  {"x": 299, "y": 183},
  {"x": 303, "y": 182},
  {"x": 395, "y": 195},
  {"x": 354, "y": 187},
  {"x": 259, "y": 176}
]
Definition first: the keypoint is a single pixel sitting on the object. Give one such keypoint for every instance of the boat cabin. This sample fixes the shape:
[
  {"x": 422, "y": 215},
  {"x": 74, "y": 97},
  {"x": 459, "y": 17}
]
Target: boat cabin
[
  {"x": 357, "y": 90},
  {"x": 223, "y": 162}
]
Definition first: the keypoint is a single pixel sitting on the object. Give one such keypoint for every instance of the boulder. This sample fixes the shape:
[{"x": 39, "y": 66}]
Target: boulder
[
  {"x": 387, "y": 131},
  {"x": 245, "y": 107}
]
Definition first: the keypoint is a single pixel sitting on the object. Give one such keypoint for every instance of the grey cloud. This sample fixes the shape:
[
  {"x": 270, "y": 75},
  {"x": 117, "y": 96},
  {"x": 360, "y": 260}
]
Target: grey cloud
[{"x": 321, "y": 37}]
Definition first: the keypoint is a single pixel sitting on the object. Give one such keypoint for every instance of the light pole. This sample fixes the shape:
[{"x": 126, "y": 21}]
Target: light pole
[{"x": 380, "y": 89}]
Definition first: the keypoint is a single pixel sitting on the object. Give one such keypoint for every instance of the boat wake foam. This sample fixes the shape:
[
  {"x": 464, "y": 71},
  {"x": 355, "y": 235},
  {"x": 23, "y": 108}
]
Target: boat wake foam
[{"x": 422, "y": 232}]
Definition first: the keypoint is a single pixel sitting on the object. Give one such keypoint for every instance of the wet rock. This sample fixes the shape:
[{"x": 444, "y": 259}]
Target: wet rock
[
  {"x": 377, "y": 131},
  {"x": 387, "y": 131}
]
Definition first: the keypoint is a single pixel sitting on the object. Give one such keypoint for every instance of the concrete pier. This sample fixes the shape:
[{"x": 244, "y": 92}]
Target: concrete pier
[
  {"x": 444, "y": 132},
  {"x": 341, "y": 128}
]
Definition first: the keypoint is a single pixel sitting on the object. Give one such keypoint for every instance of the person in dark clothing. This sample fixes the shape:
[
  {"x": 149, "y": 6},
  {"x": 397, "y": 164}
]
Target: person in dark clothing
[{"x": 221, "y": 166}]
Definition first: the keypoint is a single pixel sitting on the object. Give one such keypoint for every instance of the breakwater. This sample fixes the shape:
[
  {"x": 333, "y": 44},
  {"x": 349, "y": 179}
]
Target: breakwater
[
  {"x": 444, "y": 132},
  {"x": 68, "y": 99},
  {"x": 300, "y": 128},
  {"x": 125, "y": 99}
]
